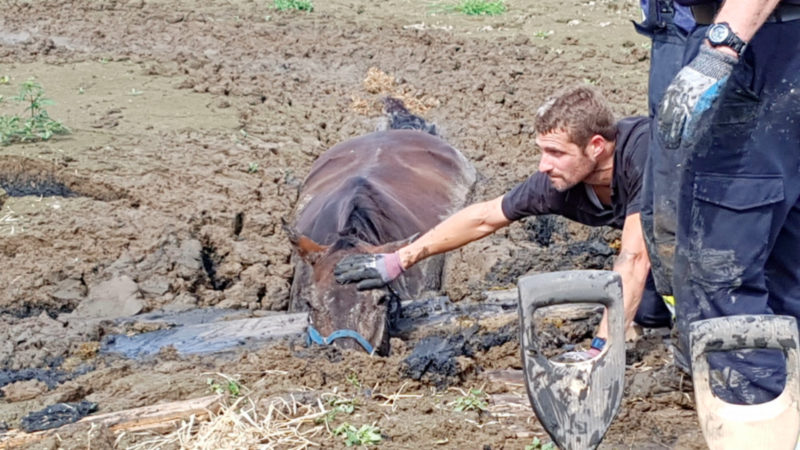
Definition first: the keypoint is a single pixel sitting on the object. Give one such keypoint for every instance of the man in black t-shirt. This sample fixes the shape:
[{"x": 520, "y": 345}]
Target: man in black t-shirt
[{"x": 590, "y": 171}]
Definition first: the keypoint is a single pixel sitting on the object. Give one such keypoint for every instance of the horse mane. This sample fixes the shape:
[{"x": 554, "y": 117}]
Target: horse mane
[
  {"x": 361, "y": 218},
  {"x": 400, "y": 118}
]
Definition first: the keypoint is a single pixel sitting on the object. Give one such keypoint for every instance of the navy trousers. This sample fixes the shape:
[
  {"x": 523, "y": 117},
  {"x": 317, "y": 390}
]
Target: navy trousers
[
  {"x": 672, "y": 48},
  {"x": 738, "y": 229}
]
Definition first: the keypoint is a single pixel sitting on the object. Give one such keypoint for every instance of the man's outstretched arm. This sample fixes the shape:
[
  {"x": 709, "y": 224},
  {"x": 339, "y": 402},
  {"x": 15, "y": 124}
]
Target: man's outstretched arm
[{"x": 469, "y": 224}]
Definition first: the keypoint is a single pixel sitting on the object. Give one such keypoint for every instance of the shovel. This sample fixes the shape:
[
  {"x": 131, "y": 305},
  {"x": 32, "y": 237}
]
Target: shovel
[
  {"x": 575, "y": 402},
  {"x": 775, "y": 424}
]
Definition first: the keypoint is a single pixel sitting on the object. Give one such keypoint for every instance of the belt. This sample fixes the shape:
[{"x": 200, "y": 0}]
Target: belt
[
  {"x": 784, "y": 13},
  {"x": 704, "y": 13}
]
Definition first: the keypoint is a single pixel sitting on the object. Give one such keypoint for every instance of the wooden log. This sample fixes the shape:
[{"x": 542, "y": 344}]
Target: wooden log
[{"x": 162, "y": 417}]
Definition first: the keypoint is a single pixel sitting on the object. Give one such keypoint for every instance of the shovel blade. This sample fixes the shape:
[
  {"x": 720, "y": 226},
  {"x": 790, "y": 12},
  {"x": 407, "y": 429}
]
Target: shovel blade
[
  {"x": 774, "y": 424},
  {"x": 575, "y": 402}
]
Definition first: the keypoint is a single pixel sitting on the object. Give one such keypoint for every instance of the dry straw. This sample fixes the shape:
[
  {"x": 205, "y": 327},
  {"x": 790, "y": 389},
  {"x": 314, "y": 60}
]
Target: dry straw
[{"x": 280, "y": 423}]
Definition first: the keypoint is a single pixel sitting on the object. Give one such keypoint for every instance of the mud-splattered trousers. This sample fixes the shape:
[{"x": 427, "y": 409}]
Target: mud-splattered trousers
[
  {"x": 675, "y": 40},
  {"x": 738, "y": 235}
]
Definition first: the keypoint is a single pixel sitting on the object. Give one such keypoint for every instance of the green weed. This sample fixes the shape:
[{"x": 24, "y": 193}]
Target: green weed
[
  {"x": 337, "y": 406},
  {"x": 252, "y": 167},
  {"x": 541, "y": 34},
  {"x": 366, "y": 435},
  {"x": 37, "y": 126},
  {"x": 480, "y": 7},
  {"x": 352, "y": 378},
  {"x": 538, "y": 445},
  {"x": 229, "y": 386},
  {"x": 474, "y": 400},
  {"x": 5, "y": 79},
  {"x": 297, "y": 5}
]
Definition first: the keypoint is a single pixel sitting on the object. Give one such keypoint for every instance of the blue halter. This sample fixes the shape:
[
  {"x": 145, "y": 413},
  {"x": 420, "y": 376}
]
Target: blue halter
[{"x": 315, "y": 337}]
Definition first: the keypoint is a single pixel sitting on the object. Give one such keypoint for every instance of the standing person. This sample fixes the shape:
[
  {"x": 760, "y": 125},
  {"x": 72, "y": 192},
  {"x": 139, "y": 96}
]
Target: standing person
[
  {"x": 590, "y": 171},
  {"x": 669, "y": 26},
  {"x": 674, "y": 41},
  {"x": 734, "y": 112}
]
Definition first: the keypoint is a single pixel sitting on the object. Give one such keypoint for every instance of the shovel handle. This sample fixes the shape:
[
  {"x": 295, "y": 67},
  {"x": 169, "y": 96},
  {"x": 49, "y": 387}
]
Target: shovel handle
[
  {"x": 743, "y": 332},
  {"x": 570, "y": 287},
  {"x": 574, "y": 402},
  {"x": 774, "y": 424}
]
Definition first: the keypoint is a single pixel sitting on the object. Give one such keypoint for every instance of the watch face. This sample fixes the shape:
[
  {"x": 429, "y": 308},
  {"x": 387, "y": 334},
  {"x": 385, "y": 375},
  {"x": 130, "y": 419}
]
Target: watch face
[{"x": 717, "y": 33}]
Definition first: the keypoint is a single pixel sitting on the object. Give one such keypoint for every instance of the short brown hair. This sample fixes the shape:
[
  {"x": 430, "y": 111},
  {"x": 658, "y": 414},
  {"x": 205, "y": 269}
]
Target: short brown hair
[{"x": 580, "y": 110}]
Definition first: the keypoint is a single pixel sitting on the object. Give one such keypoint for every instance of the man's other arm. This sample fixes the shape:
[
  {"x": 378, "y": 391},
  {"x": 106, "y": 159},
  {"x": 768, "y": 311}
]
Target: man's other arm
[{"x": 633, "y": 266}]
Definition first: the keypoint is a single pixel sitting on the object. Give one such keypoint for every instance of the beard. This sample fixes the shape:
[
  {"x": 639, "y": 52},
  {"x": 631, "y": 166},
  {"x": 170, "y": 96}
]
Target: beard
[{"x": 561, "y": 184}]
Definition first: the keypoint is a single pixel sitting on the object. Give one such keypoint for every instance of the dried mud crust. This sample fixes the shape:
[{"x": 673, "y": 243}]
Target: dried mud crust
[{"x": 193, "y": 123}]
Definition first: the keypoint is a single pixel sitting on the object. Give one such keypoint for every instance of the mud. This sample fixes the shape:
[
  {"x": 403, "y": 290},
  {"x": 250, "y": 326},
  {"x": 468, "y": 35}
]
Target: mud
[
  {"x": 193, "y": 124},
  {"x": 57, "y": 415},
  {"x": 435, "y": 358}
]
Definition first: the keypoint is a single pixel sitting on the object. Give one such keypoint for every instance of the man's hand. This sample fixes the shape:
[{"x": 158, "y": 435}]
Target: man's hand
[
  {"x": 577, "y": 356},
  {"x": 369, "y": 270},
  {"x": 691, "y": 93}
]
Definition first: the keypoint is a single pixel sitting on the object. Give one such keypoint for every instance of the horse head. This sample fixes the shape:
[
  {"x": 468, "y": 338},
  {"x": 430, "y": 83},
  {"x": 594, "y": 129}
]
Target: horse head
[{"x": 337, "y": 310}]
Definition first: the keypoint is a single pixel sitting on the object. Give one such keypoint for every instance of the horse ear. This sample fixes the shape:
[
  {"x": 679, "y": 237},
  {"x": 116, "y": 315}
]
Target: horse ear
[{"x": 305, "y": 246}]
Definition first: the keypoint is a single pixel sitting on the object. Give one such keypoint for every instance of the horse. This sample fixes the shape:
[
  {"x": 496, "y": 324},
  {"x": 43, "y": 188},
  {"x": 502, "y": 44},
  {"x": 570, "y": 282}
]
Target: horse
[{"x": 372, "y": 194}]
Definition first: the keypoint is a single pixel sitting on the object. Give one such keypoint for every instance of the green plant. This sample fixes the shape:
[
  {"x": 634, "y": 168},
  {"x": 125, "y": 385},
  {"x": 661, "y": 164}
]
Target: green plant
[
  {"x": 230, "y": 386},
  {"x": 541, "y": 34},
  {"x": 481, "y": 7},
  {"x": 352, "y": 378},
  {"x": 252, "y": 167},
  {"x": 5, "y": 79},
  {"x": 474, "y": 400},
  {"x": 366, "y": 435},
  {"x": 37, "y": 126},
  {"x": 538, "y": 445},
  {"x": 297, "y": 5},
  {"x": 337, "y": 405}
]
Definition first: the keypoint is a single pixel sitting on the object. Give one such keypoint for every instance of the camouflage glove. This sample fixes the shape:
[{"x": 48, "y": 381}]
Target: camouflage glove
[
  {"x": 691, "y": 93},
  {"x": 369, "y": 270}
]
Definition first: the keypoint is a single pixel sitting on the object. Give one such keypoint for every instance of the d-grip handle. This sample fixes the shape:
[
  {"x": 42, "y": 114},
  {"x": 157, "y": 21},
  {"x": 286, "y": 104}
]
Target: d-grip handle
[
  {"x": 774, "y": 424},
  {"x": 743, "y": 332},
  {"x": 570, "y": 287}
]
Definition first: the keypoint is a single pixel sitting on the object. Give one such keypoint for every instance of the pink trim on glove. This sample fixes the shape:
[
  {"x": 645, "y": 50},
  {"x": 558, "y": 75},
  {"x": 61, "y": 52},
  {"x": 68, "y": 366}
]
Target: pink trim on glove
[{"x": 394, "y": 267}]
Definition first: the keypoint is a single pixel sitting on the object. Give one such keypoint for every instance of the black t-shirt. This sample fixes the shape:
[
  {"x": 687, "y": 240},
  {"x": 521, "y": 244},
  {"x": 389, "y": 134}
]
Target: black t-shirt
[{"x": 536, "y": 195}]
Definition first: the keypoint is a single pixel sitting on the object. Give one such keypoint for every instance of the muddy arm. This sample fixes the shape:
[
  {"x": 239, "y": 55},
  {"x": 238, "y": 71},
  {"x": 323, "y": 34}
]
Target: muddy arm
[
  {"x": 633, "y": 265},
  {"x": 469, "y": 224}
]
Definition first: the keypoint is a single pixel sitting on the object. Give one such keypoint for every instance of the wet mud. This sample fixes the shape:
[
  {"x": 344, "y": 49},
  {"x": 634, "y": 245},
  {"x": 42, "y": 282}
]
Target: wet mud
[{"x": 193, "y": 125}]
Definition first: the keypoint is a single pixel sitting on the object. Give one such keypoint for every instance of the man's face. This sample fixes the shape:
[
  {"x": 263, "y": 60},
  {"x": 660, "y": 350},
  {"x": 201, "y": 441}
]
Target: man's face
[{"x": 562, "y": 160}]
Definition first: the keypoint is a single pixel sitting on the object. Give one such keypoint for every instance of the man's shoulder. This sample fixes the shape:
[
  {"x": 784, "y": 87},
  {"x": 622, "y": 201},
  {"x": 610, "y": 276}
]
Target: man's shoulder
[
  {"x": 633, "y": 138},
  {"x": 634, "y": 126}
]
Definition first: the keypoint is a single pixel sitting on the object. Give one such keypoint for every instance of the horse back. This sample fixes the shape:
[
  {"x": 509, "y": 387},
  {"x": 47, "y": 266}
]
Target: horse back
[{"x": 409, "y": 180}]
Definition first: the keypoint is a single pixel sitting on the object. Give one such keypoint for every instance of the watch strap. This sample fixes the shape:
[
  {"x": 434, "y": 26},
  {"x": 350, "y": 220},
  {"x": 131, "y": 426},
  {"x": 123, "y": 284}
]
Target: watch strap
[{"x": 732, "y": 40}]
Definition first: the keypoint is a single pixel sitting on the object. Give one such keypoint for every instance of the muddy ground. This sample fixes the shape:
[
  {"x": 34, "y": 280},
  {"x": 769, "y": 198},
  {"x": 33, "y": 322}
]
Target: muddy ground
[{"x": 192, "y": 125}]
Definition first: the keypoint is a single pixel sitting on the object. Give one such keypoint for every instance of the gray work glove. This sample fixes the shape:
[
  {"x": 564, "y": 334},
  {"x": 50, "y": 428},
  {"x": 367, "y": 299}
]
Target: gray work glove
[
  {"x": 369, "y": 270},
  {"x": 691, "y": 93}
]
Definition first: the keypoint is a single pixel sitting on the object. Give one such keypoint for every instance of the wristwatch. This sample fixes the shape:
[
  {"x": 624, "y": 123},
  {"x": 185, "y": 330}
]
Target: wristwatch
[{"x": 720, "y": 34}]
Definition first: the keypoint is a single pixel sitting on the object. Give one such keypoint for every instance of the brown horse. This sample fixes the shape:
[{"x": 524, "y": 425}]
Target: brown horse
[{"x": 371, "y": 194}]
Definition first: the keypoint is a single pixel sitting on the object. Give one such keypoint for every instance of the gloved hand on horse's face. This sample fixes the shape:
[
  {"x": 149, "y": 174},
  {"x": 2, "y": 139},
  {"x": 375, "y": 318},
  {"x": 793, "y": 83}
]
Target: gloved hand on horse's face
[{"x": 370, "y": 270}]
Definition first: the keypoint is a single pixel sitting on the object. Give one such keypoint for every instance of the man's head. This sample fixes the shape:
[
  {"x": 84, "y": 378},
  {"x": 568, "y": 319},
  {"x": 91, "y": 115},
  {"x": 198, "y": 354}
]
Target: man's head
[{"x": 576, "y": 131}]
